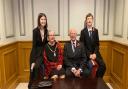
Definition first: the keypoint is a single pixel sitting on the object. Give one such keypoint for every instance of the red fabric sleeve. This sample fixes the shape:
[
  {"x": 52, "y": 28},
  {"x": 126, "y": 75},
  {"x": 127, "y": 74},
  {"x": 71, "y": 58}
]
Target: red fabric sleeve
[
  {"x": 47, "y": 64},
  {"x": 60, "y": 54}
]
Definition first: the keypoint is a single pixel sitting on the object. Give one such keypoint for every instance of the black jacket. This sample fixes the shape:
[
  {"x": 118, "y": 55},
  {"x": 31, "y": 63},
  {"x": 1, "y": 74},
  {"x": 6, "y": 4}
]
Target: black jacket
[
  {"x": 91, "y": 45},
  {"x": 37, "y": 44},
  {"x": 74, "y": 59}
]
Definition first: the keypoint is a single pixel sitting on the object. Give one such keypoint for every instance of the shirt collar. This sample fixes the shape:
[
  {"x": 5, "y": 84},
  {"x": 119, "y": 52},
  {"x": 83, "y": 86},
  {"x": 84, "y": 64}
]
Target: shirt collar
[
  {"x": 73, "y": 42},
  {"x": 89, "y": 29}
]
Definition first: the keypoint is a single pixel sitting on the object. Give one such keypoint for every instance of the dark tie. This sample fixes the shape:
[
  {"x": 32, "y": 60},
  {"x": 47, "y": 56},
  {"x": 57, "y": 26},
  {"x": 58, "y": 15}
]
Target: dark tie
[{"x": 90, "y": 34}]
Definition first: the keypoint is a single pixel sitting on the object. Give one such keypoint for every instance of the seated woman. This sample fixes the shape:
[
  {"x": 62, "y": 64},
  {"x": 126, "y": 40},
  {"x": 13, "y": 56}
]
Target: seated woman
[{"x": 53, "y": 58}]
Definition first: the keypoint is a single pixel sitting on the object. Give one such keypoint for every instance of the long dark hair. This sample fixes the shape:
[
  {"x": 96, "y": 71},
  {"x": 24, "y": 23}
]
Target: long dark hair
[{"x": 38, "y": 20}]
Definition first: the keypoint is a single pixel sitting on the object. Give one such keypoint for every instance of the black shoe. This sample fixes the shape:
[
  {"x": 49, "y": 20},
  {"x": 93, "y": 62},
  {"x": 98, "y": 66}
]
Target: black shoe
[{"x": 32, "y": 86}]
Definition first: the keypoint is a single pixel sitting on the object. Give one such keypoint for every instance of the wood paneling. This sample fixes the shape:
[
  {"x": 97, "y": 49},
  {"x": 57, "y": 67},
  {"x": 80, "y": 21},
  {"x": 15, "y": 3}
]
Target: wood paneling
[
  {"x": 0, "y": 78},
  {"x": 24, "y": 53},
  {"x": 126, "y": 87},
  {"x": 105, "y": 49},
  {"x": 14, "y": 63},
  {"x": 8, "y": 66},
  {"x": 10, "y": 63},
  {"x": 117, "y": 62},
  {"x": 118, "y": 65}
]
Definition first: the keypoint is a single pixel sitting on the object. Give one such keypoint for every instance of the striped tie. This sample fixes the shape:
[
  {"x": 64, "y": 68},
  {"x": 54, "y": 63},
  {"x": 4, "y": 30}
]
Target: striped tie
[
  {"x": 90, "y": 34},
  {"x": 73, "y": 48}
]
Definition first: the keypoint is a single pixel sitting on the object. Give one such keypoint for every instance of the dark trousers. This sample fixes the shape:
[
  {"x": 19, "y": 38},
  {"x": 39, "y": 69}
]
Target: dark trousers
[
  {"x": 36, "y": 74},
  {"x": 57, "y": 72},
  {"x": 102, "y": 67}
]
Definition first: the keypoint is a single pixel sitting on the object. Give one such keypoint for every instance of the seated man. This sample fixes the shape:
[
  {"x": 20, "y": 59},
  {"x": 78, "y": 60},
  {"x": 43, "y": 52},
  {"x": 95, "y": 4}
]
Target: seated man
[
  {"x": 75, "y": 57},
  {"x": 53, "y": 58},
  {"x": 90, "y": 38}
]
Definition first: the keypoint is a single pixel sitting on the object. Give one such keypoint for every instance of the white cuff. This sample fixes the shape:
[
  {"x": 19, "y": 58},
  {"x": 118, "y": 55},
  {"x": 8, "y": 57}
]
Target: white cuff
[
  {"x": 73, "y": 68},
  {"x": 80, "y": 70}
]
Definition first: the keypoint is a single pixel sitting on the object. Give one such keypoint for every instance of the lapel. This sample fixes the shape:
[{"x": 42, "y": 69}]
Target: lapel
[{"x": 93, "y": 33}]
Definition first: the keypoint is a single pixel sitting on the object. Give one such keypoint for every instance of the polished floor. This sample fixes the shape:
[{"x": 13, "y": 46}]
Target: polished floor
[{"x": 24, "y": 86}]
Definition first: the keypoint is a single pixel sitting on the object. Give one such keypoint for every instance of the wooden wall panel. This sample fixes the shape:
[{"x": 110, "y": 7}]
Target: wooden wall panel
[
  {"x": 0, "y": 78},
  {"x": 118, "y": 65},
  {"x": 126, "y": 66},
  {"x": 24, "y": 54},
  {"x": 10, "y": 63},
  {"x": 105, "y": 50},
  {"x": 126, "y": 81},
  {"x": 1, "y": 72},
  {"x": 9, "y": 66},
  {"x": 117, "y": 62}
]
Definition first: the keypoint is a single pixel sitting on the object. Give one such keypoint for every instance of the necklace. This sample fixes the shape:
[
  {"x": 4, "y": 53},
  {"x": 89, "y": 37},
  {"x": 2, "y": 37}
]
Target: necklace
[{"x": 54, "y": 51}]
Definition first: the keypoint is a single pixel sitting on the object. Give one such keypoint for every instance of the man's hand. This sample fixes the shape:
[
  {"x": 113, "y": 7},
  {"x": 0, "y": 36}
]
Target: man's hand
[
  {"x": 90, "y": 56},
  {"x": 59, "y": 67},
  {"x": 73, "y": 70},
  {"x": 93, "y": 56},
  {"x": 77, "y": 73}
]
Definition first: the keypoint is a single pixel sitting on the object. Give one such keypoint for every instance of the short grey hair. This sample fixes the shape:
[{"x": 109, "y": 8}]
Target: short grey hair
[{"x": 50, "y": 31}]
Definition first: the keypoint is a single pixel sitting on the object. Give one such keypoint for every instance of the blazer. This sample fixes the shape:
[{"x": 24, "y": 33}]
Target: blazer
[
  {"x": 37, "y": 44},
  {"x": 91, "y": 45},
  {"x": 74, "y": 59}
]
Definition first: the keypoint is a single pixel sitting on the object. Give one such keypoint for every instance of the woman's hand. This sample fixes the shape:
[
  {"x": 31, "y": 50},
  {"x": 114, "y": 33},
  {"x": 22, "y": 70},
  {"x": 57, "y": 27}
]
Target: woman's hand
[
  {"x": 32, "y": 66},
  {"x": 77, "y": 73}
]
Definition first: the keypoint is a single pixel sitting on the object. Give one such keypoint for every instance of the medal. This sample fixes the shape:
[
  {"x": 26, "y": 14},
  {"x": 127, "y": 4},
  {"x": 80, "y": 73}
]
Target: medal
[
  {"x": 54, "y": 54},
  {"x": 53, "y": 51}
]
